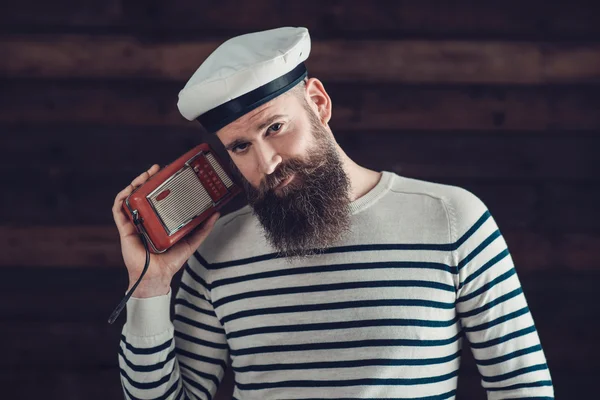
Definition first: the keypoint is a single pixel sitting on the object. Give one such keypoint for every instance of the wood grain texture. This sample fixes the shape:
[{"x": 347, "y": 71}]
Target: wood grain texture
[
  {"x": 75, "y": 196},
  {"x": 30, "y": 309},
  {"x": 98, "y": 246},
  {"x": 55, "y": 150},
  {"x": 408, "y": 61},
  {"x": 355, "y": 106},
  {"x": 510, "y": 19}
]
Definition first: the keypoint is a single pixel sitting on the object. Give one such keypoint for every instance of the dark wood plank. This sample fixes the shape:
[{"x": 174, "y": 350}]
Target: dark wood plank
[
  {"x": 469, "y": 155},
  {"x": 56, "y": 384},
  {"x": 412, "y": 61},
  {"x": 98, "y": 246},
  {"x": 513, "y": 19},
  {"x": 76, "y": 197},
  {"x": 55, "y": 150},
  {"x": 82, "y": 197},
  {"x": 356, "y": 107},
  {"x": 379, "y": 18},
  {"x": 31, "y": 300},
  {"x": 90, "y": 384},
  {"x": 27, "y": 15}
]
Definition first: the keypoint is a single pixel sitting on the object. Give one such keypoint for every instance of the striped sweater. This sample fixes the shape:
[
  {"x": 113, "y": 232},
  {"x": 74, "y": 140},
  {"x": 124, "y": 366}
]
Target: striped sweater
[{"x": 382, "y": 315}]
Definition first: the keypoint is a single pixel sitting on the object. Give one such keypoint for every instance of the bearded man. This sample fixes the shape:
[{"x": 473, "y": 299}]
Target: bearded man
[{"x": 335, "y": 281}]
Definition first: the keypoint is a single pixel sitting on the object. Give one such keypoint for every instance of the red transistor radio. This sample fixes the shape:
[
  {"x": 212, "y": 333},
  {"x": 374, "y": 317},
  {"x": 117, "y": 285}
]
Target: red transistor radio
[{"x": 179, "y": 197}]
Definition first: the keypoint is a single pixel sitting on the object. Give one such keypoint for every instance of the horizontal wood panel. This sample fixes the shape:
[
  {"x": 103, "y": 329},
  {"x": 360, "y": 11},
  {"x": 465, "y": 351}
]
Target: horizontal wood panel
[
  {"x": 68, "y": 324},
  {"x": 356, "y": 107},
  {"x": 460, "y": 155},
  {"x": 101, "y": 385},
  {"x": 512, "y": 19},
  {"x": 59, "y": 149},
  {"x": 93, "y": 292},
  {"x": 413, "y": 61},
  {"x": 81, "y": 346},
  {"x": 77, "y": 196},
  {"x": 98, "y": 246},
  {"x": 55, "y": 384}
]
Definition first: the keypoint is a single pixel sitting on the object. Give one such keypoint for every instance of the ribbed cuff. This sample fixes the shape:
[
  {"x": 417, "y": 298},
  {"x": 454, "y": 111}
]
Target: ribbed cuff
[{"x": 150, "y": 316}]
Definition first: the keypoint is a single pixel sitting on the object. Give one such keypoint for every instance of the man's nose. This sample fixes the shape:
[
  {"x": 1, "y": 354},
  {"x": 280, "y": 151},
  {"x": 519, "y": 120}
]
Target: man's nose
[{"x": 268, "y": 158}]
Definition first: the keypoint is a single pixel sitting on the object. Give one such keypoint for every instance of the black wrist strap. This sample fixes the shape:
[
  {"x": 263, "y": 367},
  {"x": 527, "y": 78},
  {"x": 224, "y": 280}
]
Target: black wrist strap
[{"x": 117, "y": 311}]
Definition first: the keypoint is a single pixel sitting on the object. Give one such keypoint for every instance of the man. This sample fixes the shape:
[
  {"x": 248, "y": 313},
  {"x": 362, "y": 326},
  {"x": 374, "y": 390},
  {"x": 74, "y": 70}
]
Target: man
[{"x": 336, "y": 281}]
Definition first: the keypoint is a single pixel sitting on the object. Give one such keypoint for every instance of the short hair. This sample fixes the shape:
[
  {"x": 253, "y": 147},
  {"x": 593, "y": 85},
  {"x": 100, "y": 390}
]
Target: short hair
[{"x": 298, "y": 90}]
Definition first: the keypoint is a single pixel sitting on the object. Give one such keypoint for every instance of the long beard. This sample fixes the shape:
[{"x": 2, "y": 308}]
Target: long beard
[{"x": 312, "y": 212}]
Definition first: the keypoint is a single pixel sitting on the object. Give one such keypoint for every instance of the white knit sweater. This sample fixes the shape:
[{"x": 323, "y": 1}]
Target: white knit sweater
[{"x": 382, "y": 315}]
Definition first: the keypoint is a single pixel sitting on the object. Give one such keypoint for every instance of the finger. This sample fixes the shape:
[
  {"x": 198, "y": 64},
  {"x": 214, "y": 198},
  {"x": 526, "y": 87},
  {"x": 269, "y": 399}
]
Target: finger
[
  {"x": 124, "y": 225},
  {"x": 121, "y": 219},
  {"x": 144, "y": 176}
]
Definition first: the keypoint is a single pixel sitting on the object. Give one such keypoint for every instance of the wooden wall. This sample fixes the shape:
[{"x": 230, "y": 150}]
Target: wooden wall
[{"x": 502, "y": 98}]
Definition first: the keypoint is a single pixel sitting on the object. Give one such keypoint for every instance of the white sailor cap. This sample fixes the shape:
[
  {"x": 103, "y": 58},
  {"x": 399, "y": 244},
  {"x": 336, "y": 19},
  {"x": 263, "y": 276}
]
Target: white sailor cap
[{"x": 243, "y": 73}]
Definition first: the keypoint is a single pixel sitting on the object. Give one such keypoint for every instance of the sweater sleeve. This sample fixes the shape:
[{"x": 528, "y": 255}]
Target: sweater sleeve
[
  {"x": 179, "y": 359},
  {"x": 492, "y": 307}
]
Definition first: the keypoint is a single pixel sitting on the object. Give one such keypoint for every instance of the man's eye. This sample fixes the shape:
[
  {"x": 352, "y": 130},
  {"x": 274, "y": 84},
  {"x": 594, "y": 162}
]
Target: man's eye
[
  {"x": 240, "y": 148},
  {"x": 275, "y": 127}
]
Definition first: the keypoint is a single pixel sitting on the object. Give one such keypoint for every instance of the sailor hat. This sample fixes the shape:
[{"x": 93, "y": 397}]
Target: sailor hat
[{"x": 243, "y": 73}]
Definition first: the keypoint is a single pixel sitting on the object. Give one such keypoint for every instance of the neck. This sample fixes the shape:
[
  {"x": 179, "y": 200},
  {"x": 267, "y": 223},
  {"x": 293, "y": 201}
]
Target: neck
[{"x": 362, "y": 179}]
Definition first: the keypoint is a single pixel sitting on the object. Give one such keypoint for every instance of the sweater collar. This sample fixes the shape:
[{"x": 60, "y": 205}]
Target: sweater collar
[{"x": 369, "y": 198}]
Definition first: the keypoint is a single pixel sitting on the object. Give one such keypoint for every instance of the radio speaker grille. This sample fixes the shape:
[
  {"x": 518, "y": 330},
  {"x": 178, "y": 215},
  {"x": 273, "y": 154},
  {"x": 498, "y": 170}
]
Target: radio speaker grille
[
  {"x": 187, "y": 199},
  {"x": 219, "y": 170}
]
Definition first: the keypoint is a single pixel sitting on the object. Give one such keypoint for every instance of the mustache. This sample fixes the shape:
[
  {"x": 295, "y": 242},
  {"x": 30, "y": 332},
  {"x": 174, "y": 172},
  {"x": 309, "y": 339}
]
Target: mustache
[{"x": 283, "y": 171}]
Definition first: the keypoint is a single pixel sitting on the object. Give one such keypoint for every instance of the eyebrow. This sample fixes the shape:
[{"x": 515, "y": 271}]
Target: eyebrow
[{"x": 260, "y": 127}]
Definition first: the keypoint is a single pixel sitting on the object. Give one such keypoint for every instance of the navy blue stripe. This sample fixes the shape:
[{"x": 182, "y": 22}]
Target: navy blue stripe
[
  {"x": 354, "y": 248},
  {"x": 492, "y": 303},
  {"x": 201, "y": 342},
  {"x": 520, "y": 386},
  {"x": 197, "y": 386},
  {"x": 442, "y": 396},
  {"x": 487, "y": 286},
  {"x": 147, "y": 350},
  {"x": 339, "y": 306},
  {"x": 163, "y": 397},
  {"x": 331, "y": 250},
  {"x": 350, "y": 382},
  {"x": 333, "y": 286},
  {"x": 498, "y": 320},
  {"x": 146, "y": 385},
  {"x": 355, "y": 324},
  {"x": 192, "y": 291},
  {"x": 479, "y": 249},
  {"x": 349, "y": 364},
  {"x": 486, "y": 215},
  {"x": 185, "y": 303},
  {"x": 147, "y": 368},
  {"x": 181, "y": 394},
  {"x": 506, "y": 357},
  {"x": 332, "y": 268},
  {"x": 504, "y": 338},
  {"x": 199, "y": 357},
  {"x": 204, "y": 375},
  {"x": 346, "y": 345},
  {"x": 512, "y": 374},
  {"x": 199, "y": 325},
  {"x": 533, "y": 398},
  {"x": 196, "y": 277},
  {"x": 484, "y": 267}
]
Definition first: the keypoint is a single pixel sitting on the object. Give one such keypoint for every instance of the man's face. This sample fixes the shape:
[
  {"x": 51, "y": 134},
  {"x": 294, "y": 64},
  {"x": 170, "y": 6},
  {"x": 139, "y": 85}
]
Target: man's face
[{"x": 292, "y": 174}]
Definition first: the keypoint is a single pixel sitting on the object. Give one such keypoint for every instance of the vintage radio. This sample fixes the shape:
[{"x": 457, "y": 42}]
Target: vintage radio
[{"x": 179, "y": 197}]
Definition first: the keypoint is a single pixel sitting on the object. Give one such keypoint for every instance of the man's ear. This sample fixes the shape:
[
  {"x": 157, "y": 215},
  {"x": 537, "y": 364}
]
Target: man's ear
[{"x": 319, "y": 99}]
